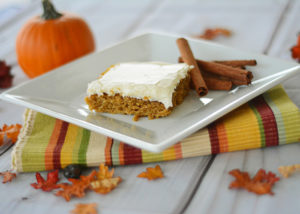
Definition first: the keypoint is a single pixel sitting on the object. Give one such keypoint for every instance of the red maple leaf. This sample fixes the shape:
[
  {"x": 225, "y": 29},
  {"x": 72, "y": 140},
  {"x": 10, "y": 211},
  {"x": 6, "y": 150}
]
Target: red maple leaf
[
  {"x": 296, "y": 50},
  {"x": 5, "y": 75},
  {"x": 46, "y": 185}
]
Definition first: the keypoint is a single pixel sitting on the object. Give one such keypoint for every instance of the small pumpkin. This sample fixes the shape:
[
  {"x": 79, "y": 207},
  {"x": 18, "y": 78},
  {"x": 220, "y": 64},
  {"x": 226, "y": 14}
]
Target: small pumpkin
[{"x": 52, "y": 39}]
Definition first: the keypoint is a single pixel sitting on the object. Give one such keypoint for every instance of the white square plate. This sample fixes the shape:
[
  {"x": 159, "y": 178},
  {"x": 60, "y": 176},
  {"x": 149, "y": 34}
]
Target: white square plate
[{"x": 61, "y": 93}]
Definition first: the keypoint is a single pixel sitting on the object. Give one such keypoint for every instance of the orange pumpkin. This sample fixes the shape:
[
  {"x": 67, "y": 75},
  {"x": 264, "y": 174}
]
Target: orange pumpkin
[{"x": 53, "y": 39}]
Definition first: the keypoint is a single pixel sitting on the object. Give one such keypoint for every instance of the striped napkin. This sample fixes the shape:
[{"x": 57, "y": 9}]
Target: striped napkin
[{"x": 46, "y": 143}]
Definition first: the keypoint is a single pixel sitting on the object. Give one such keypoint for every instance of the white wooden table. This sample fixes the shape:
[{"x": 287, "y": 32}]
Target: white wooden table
[{"x": 195, "y": 185}]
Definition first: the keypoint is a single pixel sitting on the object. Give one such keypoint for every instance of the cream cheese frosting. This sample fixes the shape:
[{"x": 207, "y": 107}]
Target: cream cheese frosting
[{"x": 154, "y": 81}]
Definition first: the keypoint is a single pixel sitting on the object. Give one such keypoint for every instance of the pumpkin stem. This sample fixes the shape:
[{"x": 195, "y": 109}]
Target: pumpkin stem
[{"x": 49, "y": 11}]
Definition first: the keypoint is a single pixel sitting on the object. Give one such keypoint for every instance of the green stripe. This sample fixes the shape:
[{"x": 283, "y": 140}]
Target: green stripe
[
  {"x": 115, "y": 153},
  {"x": 278, "y": 118},
  {"x": 260, "y": 125},
  {"x": 83, "y": 146},
  {"x": 152, "y": 157},
  {"x": 38, "y": 141},
  {"x": 77, "y": 146}
]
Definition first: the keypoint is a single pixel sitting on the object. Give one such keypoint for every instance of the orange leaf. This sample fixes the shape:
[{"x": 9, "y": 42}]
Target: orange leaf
[
  {"x": 7, "y": 176},
  {"x": 105, "y": 182},
  {"x": 210, "y": 34},
  {"x": 152, "y": 173},
  {"x": 11, "y": 132},
  {"x": 261, "y": 183},
  {"x": 85, "y": 209},
  {"x": 104, "y": 172},
  {"x": 77, "y": 188},
  {"x": 106, "y": 185},
  {"x": 101, "y": 181},
  {"x": 2, "y": 134}
]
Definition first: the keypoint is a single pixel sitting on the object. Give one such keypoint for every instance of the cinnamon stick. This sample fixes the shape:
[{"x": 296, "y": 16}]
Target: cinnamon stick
[
  {"x": 227, "y": 71},
  {"x": 234, "y": 82},
  {"x": 214, "y": 82},
  {"x": 239, "y": 82},
  {"x": 188, "y": 58},
  {"x": 236, "y": 75},
  {"x": 238, "y": 63}
]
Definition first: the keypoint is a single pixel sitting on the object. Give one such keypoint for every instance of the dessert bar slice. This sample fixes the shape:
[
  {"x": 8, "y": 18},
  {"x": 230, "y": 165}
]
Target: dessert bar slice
[{"x": 140, "y": 89}]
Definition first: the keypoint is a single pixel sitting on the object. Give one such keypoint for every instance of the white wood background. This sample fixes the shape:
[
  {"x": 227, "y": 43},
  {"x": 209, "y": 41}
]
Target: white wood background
[{"x": 195, "y": 185}]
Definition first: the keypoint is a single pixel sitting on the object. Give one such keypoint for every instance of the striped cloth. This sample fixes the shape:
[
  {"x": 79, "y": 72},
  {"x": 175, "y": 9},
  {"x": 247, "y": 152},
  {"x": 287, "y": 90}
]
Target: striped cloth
[{"x": 46, "y": 143}]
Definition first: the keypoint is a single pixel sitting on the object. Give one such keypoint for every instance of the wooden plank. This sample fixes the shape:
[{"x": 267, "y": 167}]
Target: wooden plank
[
  {"x": 169, "y": 195},
  {"x": 252, "y": 22},
  {"x": 134, "y": 195},
  {"x": 213, "y": 195}
]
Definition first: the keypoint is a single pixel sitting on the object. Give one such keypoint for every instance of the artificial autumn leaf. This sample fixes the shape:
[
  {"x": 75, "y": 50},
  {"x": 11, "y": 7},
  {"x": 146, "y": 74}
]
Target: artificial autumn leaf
[
  {"x": 10, "y": 132},
  {"x": 5, "y": 75},
  {"x": 104, "y": 172},
  {"x": 106, "y": 185},
  {"x": 210, "y": 33},
  {"x": 286, "y": 171},
  {"x": 105, "y": 182},
  {"x": 49, "y": 184},
  {"x": 85, "y": 209},
  {"x": 152, "y": 173},
  {"x": 296, "y": 50},
  {"x": 70, "y": 190},
  {"x": 77, "y": 188},
  {"x": 7, "y": 176},
  {"x": 261, "y": 183}
]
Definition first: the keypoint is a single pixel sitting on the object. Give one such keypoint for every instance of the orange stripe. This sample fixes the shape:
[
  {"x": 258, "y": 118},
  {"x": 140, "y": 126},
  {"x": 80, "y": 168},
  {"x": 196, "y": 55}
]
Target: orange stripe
[
  {"x": 178, "y": 152},
  {"x": 52, "y": 144},
  {"x": 109, "y": 142},
  {"x": 237, "y": 123},
  {"x": 223, "y": 143},
  {"x": 121, "y": 153}
]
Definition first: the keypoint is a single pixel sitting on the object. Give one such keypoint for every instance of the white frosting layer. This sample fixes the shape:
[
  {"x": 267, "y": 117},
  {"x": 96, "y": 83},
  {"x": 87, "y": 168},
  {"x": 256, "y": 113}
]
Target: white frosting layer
[{"x": 155, "y": 81}]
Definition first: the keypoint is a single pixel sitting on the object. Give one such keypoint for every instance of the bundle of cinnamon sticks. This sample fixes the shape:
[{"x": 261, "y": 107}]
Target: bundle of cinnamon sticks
[{"x": 216, "y": 75}]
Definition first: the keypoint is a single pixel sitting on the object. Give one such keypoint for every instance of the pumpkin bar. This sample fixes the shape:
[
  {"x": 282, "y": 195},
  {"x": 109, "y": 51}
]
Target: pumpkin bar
[{"x": 140, "y": 89}]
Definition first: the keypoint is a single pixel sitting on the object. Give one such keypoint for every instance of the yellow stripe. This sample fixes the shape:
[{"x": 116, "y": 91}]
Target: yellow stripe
[
  {"x": 290, "y": 114},
  {"x": 239, "y": 122},
  {"x": 67, "y": 149},
  {"x": 196, "y": 144},
  {"x": 169, "y": 154},
  {"x": 96, "y": 149}
]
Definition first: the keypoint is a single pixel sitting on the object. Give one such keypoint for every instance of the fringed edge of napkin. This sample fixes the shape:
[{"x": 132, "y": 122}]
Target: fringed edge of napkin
[{"x": 28, "y": 116}]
